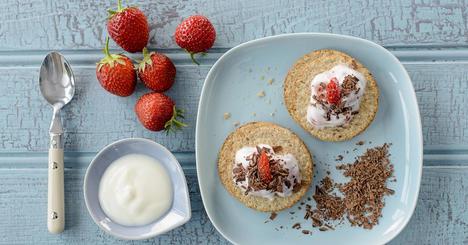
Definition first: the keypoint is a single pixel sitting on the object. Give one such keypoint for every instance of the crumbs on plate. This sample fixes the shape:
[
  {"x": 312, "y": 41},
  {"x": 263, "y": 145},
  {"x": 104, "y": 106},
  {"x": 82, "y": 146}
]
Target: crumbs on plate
[{"x": 261, "y": 94}]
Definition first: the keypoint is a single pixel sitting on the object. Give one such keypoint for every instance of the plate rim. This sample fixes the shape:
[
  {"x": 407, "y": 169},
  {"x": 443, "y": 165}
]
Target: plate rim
[{"x": 416, "y": 118}]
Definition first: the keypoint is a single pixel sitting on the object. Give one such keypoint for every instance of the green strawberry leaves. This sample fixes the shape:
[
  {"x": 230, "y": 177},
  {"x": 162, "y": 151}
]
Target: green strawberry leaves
[
  {"x": 146, "y": 60},
  {"x": 174, "y": 124}
]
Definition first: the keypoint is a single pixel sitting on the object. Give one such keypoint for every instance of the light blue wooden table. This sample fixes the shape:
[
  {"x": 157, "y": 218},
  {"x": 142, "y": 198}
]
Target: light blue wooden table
[{"x": 429, "y": 37}]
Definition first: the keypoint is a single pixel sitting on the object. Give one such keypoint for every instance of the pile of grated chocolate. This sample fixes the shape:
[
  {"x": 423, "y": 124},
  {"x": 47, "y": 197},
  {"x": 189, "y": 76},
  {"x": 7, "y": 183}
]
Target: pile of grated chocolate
[
  {"x": 362, "y": 201},
  {"x": 364, "y": 193},
  {"x": 329, "y": 206}
]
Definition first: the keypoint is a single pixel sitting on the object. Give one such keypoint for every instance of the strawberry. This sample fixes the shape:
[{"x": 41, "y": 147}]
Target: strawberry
[
  {"x": 333, "y": 92},
  {"x": 157, "y": 112},
  {"x": 156, "y": 71},
  {"x": 195, "y": 34},
  {"x": 264, "y": 167},
  {"x": 128, "y": 27},
  {"x": 115, "y": 73}
]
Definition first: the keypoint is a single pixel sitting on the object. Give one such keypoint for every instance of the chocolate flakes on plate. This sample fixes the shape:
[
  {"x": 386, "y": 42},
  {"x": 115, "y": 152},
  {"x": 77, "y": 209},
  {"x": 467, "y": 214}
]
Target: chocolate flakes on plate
[
  {"x": 360, "y": 200},
  {"x": 364, "y": 193}
]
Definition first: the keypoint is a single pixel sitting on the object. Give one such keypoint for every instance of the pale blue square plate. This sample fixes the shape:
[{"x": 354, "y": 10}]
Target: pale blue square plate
[{"x": 231, "y": 87}]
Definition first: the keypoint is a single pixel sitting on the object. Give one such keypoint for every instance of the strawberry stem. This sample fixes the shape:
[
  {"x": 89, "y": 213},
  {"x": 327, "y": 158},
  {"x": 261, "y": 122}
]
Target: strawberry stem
[
  {"x": 119, "y": 5},
  {"x": 109, "y": 58},
  {"x": 193, "y": 58},
  {"x": 120, "y": 9},
  {"x": 145, "y": 52},
  {"x": 106, "y": 48}
]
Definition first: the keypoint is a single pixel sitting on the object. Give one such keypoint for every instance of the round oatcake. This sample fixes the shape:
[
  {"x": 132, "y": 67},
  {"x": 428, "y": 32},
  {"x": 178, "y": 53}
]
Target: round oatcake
[
  {"x": 297, "y": 91},
  {"x": 252, "y": 134}
]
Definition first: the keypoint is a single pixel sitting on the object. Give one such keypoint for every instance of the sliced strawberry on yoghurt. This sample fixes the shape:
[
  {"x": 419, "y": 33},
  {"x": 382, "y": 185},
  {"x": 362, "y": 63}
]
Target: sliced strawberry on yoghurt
[
  {"x": 333, "y": 92},
  {"x": 264, "y": 167}
]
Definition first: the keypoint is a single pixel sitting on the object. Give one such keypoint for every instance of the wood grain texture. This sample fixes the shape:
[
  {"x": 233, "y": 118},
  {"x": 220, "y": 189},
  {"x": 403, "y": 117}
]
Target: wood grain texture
[
  {"x": 440, "y": 216},
  {"x": 74, "y": 24},
  {"x": 30, "y": 28},
  {"x": 96, "y": 117},
  {"x": 23, "y": 207},
  {"x": 440, "y": 89}
]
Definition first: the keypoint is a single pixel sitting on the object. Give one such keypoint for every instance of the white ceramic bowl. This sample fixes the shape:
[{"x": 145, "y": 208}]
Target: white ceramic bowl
[{"x": 179, "y": 212}]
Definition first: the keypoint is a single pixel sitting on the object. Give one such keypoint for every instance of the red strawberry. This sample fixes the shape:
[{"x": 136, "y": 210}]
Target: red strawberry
[
  {"x": 195, "y": 34},
  {"x": 333, "y": 92},
  {"x": 128, "y": 27},
  {"x": 116, "y": 74},
  {"x": 157, "y": 111},
  {"x": 156, "y": 71},
  {"x": 264, "y": 167}
]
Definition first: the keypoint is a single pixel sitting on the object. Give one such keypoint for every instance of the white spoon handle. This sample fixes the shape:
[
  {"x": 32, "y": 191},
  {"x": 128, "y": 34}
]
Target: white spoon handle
[{"x": 55, "y": 205}]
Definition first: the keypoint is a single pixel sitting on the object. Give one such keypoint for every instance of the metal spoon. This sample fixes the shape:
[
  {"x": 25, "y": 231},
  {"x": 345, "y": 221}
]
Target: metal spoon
[{"x": 57, "y": 85}]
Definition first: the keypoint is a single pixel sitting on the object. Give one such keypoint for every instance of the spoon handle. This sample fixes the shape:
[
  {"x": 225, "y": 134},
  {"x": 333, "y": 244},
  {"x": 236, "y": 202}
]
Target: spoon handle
[{"x": 55, "y": 205}]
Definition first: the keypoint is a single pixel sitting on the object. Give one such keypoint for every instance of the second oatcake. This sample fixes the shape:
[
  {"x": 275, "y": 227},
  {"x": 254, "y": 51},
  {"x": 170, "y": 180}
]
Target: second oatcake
[{"x": 297, "y": 91}]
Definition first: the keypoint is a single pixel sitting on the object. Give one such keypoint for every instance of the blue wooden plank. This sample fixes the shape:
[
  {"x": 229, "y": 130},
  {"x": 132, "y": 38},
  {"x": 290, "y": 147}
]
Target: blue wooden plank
[
  {"x": 440, "y": 216},
  {"x": 72, "y": 160},
  {"x": 50, "y": 24},
  {"x": 95, "y": 118},
  {"x": 23, "y": 203}
]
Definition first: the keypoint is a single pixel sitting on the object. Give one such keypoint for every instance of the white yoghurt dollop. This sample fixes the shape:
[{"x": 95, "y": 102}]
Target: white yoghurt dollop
[
  {"x": 135, "y": 190},
  {"x": 316, "y": 114},
  {"x": 288, "y": 161}
]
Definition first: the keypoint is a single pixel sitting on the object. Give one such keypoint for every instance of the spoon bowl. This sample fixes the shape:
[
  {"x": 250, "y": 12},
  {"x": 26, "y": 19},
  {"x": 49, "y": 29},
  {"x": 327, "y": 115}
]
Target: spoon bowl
[{"x": 56, "y": 80}]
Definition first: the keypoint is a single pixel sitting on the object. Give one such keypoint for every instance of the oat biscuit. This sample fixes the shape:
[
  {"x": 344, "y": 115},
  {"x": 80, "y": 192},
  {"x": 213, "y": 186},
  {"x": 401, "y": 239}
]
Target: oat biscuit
[
  {"x": 253, "y": 134},
  {"x": 297, "y": 92}
]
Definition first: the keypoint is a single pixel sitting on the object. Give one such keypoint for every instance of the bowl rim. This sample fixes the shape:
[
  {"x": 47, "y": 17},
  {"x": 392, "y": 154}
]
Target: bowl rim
[
  {"x": 209, "y": 76},
  {"x": 179, "y": 170}
]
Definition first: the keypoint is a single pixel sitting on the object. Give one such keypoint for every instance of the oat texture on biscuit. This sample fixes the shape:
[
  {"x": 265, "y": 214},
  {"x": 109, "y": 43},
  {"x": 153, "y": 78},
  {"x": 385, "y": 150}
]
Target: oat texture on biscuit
[
  {"x": 253, "y": 134},
  {"x": 297, "y": 92}
]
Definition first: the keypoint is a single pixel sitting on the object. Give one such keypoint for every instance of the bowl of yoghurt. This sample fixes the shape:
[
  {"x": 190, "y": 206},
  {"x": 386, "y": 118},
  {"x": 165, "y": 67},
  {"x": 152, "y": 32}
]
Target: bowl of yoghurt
[{"x": 136, "y": 189}]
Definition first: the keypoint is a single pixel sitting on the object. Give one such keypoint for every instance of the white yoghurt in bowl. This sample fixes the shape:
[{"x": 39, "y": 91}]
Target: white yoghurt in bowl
[{"x": 135, "y": 190}]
